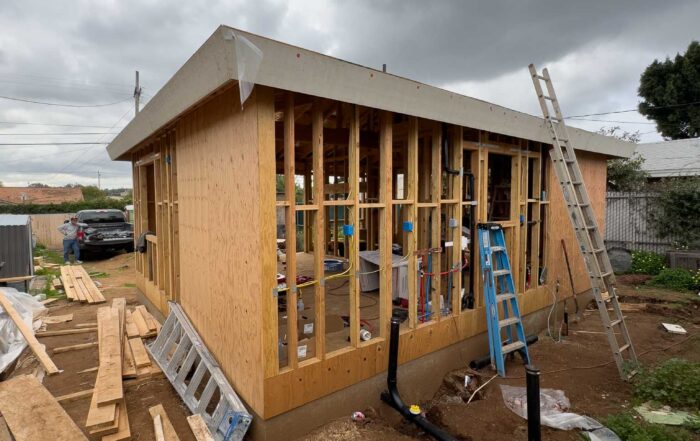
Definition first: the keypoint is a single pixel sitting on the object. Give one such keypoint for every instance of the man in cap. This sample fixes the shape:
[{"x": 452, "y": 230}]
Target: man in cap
[{"x": 70, "y": 239}]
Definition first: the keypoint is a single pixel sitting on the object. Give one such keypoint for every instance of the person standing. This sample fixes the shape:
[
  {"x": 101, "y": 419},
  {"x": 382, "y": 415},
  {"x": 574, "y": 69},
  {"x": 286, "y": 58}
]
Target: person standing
[{"x": 70, "y": 239}]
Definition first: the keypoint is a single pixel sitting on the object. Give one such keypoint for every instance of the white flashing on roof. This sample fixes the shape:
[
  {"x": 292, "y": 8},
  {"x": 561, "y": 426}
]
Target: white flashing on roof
[
  {"x": 671, "y": 158},
  {"x": 295, "y": 69}
]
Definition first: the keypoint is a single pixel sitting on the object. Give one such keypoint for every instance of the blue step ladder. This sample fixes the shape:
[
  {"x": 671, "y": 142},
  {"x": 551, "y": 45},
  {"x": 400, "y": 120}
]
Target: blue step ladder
[{"x": 499, "y": 289}]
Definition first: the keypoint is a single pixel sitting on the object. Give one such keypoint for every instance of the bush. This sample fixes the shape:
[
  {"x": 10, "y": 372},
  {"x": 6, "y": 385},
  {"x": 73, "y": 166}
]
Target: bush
[
  {"x": 66, "y": 207},
  {"x": 677, "y": 279},
  {"x": 675, "y": 383},
  {"x": 630, "y": 429},
  {"x": 647, "y": 262}
]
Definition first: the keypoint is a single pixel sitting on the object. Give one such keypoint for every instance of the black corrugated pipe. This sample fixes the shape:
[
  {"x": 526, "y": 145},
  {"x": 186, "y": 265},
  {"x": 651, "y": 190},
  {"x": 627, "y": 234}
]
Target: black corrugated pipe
[
  {"x": 391, "y": 395},
  {"x": 532, "y": 380},
  {"x": 445, "y": 156}
]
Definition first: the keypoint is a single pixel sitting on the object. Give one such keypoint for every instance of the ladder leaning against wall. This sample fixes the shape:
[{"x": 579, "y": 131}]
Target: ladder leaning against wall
[{"x": 585, "y": 226}]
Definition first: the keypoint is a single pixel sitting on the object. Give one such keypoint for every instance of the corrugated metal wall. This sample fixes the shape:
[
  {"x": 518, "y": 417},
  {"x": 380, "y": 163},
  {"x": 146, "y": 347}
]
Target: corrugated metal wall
[{"x": 16, "y": 248}]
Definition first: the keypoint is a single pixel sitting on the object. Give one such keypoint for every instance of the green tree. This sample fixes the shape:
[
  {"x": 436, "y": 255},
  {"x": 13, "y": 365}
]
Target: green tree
[
  {"x": 671, "y": 94},
  {"x": 677, "y": 210},
  {"x": 625, "y": 174},
  {"x": 91, "y": 192},
  {"x": 38, "y": 185}
]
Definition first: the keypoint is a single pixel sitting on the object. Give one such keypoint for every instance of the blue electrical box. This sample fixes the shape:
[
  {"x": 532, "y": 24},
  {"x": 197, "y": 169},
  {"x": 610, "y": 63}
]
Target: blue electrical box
[
  {"x": 348, "y": 230},
  {"x": 408, "y": 226}
]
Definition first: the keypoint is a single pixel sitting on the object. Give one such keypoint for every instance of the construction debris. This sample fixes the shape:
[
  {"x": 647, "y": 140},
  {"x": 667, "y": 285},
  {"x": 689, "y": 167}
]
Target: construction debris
[
  {"x": 169, "y": 433},
  {"x": 199, "y": 428},
  {"x": 79, "y": 286},
  {"x": 57, "y": 319},
  {"x": 32, "y": 414},
  {"x": 674, "y": 329},
  {"x": 65, "y": 332}
]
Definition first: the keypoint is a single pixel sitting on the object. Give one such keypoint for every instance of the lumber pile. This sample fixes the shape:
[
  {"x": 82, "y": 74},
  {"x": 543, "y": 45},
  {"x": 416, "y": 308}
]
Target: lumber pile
[
  {"x": 140, "y": 323},
  {"x": 32, "y": 413},
  {"x": 121, "y": 356},
  {"x": 79, "y": 286}
]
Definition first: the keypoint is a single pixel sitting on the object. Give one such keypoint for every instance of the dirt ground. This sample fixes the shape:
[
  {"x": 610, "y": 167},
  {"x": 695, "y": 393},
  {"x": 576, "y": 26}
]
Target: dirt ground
[
  {"x": 580, "y": 365},
  {"x": 119, "y": 282}
]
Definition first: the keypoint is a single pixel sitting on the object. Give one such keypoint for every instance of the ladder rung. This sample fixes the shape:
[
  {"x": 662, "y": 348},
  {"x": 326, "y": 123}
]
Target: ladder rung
[
  {"x": 540, "y": 77},
  {"x": 512, "y": 347},
  {"x": 499, "y": 273},
  {"x": 577, "y": 182},
  {"x": 604, "y": 275},
  {"x": 563, "y": 139},
  {"x": 596, "y": 251},
  {"x": 615, "y": 322},
  {"x": 507, "y": 322},
  {"x": 624, "y": 347},
  {"x": 547, "y": 97},
  {"x": 497, "y": 248},
  {"x": 505, "y": 296}
]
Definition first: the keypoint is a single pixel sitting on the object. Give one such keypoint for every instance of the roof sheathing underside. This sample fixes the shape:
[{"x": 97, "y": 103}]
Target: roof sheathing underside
[{"x": 299, "y": 70}]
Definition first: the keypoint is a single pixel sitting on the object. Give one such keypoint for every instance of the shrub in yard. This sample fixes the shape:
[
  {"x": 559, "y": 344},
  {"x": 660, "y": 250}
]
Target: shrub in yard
[
  {"x": 674, "y": 382},
  {"x": 647, "y": 262},
  {"x": 678, "y": 279},
  {"x": 630, "y": 429}
]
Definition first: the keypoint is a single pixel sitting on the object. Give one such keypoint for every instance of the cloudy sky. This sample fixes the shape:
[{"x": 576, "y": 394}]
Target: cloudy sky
[{"x": 82, "y": 54}]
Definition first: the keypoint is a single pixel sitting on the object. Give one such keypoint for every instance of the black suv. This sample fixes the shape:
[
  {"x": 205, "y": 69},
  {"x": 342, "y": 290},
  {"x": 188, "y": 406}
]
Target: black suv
[{"x": 106, "y": 230}]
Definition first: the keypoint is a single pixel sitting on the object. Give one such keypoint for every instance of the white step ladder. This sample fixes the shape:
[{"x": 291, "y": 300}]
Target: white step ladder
[
  {"x": 185, "y": 360},
  {"x": 585, "y": 226}
]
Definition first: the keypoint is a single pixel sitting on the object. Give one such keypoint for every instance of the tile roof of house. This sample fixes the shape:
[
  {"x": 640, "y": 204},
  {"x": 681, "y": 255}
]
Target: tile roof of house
[
  {"x": 671, "y": 158},
  {"x": 39, "y": 195}
]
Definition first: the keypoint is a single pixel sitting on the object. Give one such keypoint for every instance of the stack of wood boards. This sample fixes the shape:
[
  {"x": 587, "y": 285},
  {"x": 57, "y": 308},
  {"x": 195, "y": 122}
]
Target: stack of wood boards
[
  {"x": 33, "y": 414},
  {"x": 122, "y": 354},
  {"x": 79, "y": 286}
]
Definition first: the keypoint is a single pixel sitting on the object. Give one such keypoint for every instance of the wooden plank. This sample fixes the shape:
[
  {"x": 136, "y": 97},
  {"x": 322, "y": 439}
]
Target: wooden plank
[
  {"x": 51, "y": 300},
  {"x": 4, "y": 430},
  {"x": 67, "y": 283},
  {"x": 28, "y": 333},
  {"x": 141, "y": 358},
  {"x": 354, "y": 215},
  {"x": 168, "y": 430},
  {"x": 290, "y": 231},
  {"x": 86, "y": 325},
  {"x": 131, "y": 329},
  {"x": 15, "y": 279},
  {"x": 128, "y": 366},
  {"x": 32, "y": 413},
  {"x": 75, "y": 396},
  {"x": 65, "y": 332},
  {"x": 108, "y": 385},
  {"x": 385, "y": 222},
  {"x": 54, "y": 319},
  {"x": 150, "y": 320},
  {"x": 410, "y": 239},
  {"x": 140, "y": 322},
  {"x": 77, "y": 347},
  {"x": 199, "y": 428},
  {"x": 124, "y": 431},
  {"x": 435, "y": 225},
  {"x": 158, "y": 428}
]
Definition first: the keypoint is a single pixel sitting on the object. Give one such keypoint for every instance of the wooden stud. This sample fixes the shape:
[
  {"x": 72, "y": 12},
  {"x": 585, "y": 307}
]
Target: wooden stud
[
  {"x": 319, "y": 235},
  {"x": 290, "y": 231},
  {"x": 74, "y": 347},
  {"x": 385, "y": 222},
  {"x": 457, "y": 183},
  {"x": 410, "y": 239},
  {"x": 354, "y": 216},
  {"x": 435, "y": 225}
]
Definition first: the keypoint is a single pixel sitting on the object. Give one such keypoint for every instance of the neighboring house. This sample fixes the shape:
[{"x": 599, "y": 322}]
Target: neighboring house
[
  {"x": 669, "y": 159},
  {"x": 352, "y": 143},
  {"x": 39, "y": 195}
]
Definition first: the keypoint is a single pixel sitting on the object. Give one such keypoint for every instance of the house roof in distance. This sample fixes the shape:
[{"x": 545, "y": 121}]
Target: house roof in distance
[
  {"x": 39, "y": 195},
  {"x": 671, "y": 158},
  {"x": 287, "y": 67}
]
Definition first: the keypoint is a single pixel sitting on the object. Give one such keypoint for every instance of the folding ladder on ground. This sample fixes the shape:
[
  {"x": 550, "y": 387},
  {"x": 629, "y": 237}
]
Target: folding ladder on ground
[
  {"x": 500, "y": 291},
  {"x": 186, "y": 362},
  {"x": 585, "y": 225}
]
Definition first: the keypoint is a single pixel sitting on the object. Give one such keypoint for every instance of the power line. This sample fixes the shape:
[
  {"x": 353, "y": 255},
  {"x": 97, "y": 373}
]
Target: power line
[
  {"x": 56, "y": 125},
  {"x": 634, "y": 110},
  {"x": 63, "y": 105},
  {"x": 61, "y": 133},
  {"x": 611, "y": 121}
]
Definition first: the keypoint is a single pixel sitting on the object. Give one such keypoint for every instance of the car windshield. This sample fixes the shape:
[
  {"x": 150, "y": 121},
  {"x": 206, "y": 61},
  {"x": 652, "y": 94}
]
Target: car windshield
[{"x": 102, "y": 217}]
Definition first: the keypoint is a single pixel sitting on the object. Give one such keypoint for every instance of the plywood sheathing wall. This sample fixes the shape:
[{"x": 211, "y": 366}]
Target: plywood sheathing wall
[{"x": 220, "y": 235}]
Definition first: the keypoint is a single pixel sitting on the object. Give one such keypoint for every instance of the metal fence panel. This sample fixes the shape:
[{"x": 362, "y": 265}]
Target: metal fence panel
[{"x": 627, "y": 226}]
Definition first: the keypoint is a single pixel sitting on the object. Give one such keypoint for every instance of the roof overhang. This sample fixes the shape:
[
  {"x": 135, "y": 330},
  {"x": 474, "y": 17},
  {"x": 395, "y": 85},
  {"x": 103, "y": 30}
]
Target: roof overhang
[{"x": 295, "y": 69}]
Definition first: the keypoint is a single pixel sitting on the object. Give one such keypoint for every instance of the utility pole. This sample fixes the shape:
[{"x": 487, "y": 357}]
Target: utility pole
[
  {"x": 137, "y": 93},
  {"x": 98, "y": 180}
]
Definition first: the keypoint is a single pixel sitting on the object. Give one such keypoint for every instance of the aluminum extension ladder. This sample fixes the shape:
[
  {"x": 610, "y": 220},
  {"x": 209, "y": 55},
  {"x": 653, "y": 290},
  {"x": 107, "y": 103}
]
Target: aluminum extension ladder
[
  {"x": 585, "y": 226},
  {"x": 500, "y": 290},
  {"x": 185, "y": 360}
]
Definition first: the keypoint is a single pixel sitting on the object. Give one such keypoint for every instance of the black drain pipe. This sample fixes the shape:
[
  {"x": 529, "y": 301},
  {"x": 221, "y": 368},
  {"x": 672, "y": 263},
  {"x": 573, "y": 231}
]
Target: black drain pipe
[
  {"x": 391, "y": 395},
  {"x": 445, "y": 156},
  {"x": 532, "y": 379}
]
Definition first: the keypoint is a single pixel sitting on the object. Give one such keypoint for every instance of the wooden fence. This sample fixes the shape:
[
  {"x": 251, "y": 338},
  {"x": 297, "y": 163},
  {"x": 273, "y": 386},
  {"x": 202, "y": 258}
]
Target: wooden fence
[{"x": 45, "y": 229}]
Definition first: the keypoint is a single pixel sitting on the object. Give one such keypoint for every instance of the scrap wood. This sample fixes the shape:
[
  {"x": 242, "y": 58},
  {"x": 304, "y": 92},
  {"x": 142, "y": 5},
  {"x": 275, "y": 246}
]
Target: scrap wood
[
  {"x": 67, "y": 398},
  {"x": 28, "y": 334},
  {"x": 77, "y": 347},
  {"x": 85, "y": 371},
  {"x": 199, "y": 428},
  {"x": 54, "y": 319},
  {"x": 128, "y": 366},
  {"x": 168, "y": 430},
  {"x": 158, "y": 428},
  {"x": 141, "y": 358},
  {"x": 51, "y": 300},
  {"x": 87, "y": 325},
  {"x": 65, "y": 332},
  {"x": 4, "y": 430},
  {"x": 108, "y": 385},
  {"x": 123, "y": 429},
  {"x": 15, "y": 279},
  {"x": 141, "y": 324},
  {"x": 151, "y": 322},
  {"x": 32, "y": 413}
]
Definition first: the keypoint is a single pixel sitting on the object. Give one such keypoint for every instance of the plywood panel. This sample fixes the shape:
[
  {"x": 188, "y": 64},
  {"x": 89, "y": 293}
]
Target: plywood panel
[{"x": 221, "y": 279}]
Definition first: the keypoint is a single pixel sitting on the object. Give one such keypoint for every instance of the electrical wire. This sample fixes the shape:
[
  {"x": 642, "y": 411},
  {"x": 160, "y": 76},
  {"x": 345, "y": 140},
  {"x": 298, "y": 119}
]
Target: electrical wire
[
  {"x": 549, "y": 316},
  {"x": 670, "y": 106},
  {"x": 23, "y": 100},
  {"x": 481, "y": 387}
]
